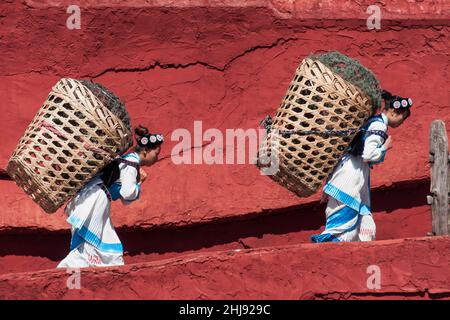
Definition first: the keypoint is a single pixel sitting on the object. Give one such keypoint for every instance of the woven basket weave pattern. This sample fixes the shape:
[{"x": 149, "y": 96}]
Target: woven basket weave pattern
[
  {"x": 70, "y": 139},
  {"x": 317, "y": 99}
]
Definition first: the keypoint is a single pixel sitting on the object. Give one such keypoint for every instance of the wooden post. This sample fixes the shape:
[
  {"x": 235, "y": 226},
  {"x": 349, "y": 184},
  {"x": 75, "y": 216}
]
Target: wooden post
[{"x": 439, "y": 159}]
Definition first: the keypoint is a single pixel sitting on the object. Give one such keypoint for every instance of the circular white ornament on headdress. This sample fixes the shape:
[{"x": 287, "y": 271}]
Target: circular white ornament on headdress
[
  {"x": 410, "y": 101},
  {"x": 396, "y": 104},
  {"x": 152, "y": 139},
  {"x": 404, "y": 103},
  {"x": 159, "y": 137},
  {"x": 144, "y": 140}
]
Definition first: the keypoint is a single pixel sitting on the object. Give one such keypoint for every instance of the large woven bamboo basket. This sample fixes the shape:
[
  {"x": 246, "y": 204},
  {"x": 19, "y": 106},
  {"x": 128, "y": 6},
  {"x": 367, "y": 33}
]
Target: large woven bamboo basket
[
  {"x": 71, "y": 138},
  {"x": 317, "y": 99}
]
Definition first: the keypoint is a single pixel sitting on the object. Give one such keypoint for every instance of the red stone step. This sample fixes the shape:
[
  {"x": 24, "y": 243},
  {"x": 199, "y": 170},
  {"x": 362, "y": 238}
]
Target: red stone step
[
  {"x": 407, "y": 216},
  {"x": 407, "y": 269},
  {"x": 209, "y": 79}
]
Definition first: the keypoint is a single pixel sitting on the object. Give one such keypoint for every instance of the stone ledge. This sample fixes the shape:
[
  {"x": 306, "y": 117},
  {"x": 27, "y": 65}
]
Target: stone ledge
[
  {"x": 410, "y": 268},
  {"x": 306, "y": 9}
]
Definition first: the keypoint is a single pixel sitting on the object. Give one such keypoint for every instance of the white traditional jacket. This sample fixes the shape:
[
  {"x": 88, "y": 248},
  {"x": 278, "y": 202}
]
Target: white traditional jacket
[{"x": 350, "y": 181}]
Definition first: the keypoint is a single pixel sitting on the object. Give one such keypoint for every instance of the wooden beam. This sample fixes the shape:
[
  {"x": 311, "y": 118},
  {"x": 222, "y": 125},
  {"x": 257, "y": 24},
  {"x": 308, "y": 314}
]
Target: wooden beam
[{"x": 440, "y": 177}]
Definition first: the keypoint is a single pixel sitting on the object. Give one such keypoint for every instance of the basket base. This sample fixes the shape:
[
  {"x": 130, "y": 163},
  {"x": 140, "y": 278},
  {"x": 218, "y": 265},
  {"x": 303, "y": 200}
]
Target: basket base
[
  {"x": 293, "y": 184},
  {"x": 17, "y": 171},
  {"x": 289, "y": 181}
]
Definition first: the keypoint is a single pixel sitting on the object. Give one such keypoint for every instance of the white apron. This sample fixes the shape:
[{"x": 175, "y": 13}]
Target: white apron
[
  {"x": 94, "y": 240},
  {"x": 348, "y": 212}
]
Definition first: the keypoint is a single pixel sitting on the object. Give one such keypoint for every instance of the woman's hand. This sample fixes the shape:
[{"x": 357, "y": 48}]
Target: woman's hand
[
  {"x": 143, "y": 174},
  {"x": 388, "y": 144}
]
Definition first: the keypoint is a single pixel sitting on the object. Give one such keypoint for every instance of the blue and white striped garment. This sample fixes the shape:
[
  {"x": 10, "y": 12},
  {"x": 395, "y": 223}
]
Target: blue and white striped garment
[
  {"x": 342, "y": 221},
  {"x": 94, "y": 239},
  {"x": 348, "y": 210},
  {"x": 90, "y": 219}
]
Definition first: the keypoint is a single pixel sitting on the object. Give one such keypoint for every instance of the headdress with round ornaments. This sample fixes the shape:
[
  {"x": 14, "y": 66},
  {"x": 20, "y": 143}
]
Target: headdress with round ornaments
[
  {"x": 150, "y": 140},
  {"x": 398, "y": 102}
]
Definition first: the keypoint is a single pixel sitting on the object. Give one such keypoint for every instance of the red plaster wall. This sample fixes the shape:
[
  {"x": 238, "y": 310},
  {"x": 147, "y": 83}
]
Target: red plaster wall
[{"x": 227, "y": 63}]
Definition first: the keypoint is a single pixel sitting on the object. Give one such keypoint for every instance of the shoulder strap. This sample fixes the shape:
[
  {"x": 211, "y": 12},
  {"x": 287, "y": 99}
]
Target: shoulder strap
[
  {"x": 377, "y": 118},
  {"x": 110, "y": 173},
  {"x": 357, "y": 145},
  {"x": 380, "y": 133}
]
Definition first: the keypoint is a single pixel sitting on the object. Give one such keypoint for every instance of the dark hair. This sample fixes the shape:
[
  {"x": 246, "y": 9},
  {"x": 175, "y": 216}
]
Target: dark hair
[
  {"x": 141, "y": 131},
  {"x": 388, "y": 97}
]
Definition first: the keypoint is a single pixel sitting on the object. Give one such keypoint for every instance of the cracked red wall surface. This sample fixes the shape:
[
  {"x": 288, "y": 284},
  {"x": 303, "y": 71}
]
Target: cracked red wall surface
[{"x": 227, "y": 64}]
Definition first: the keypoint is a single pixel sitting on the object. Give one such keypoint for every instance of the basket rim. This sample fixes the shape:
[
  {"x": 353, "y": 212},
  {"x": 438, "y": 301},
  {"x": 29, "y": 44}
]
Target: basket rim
[
  {"x": 322, "y": 65},
  {"x": 109, "y": 112}
]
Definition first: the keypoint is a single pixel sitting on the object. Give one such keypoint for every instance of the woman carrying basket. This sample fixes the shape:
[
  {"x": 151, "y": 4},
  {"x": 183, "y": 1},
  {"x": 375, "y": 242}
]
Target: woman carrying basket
[
  {"x": 94, "y": 240},
  {"x": 348, "y": 211}
]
